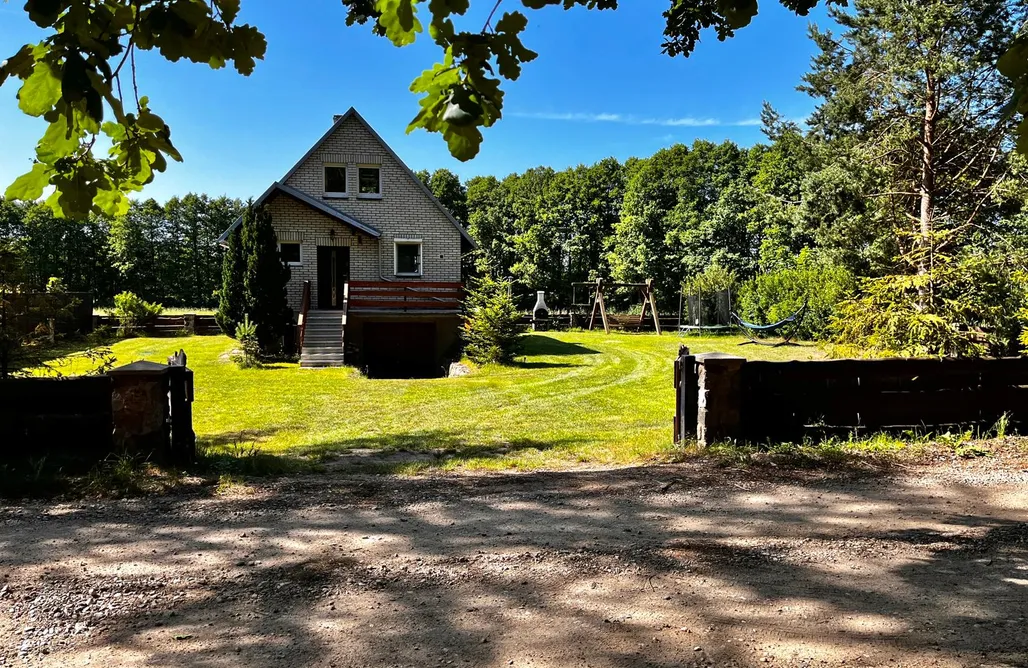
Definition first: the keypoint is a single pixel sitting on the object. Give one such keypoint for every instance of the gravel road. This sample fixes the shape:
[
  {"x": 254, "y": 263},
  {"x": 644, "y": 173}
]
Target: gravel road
[{"x": 678, "y": 565}]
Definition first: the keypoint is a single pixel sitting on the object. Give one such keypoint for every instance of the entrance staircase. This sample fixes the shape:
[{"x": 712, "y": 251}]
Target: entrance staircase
[{"x": 322, "y": 340}]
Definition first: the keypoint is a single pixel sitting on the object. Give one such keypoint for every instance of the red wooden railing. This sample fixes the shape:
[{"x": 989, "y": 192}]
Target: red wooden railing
[
  {"x": 305, "y": 306},
  {"x": 418, "y": 296}
]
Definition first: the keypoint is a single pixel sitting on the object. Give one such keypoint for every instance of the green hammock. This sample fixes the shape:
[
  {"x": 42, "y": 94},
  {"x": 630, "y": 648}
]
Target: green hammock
[{"x": 790, "y": 324}]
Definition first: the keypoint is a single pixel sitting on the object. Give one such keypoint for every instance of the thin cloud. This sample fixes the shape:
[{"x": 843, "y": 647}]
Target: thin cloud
[{"x": 683, "y": 122}]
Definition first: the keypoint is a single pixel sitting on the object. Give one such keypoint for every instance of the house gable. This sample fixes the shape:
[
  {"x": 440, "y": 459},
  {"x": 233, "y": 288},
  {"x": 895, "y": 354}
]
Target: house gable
[{"x": 352, "y": 143}]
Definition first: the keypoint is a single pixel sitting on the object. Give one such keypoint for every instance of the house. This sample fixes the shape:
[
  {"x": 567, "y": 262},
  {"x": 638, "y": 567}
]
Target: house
[{"x": 375, "y": 258}]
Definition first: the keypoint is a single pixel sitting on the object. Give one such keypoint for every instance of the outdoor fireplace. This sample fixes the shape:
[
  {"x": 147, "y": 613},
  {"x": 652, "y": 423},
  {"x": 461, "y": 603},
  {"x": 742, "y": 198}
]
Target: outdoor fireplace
[{"x": 540, "y": 312}]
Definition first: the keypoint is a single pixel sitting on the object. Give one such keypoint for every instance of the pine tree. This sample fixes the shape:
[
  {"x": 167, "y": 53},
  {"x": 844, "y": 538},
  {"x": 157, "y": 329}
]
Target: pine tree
[
  {"x": 264, "y": 279},
  {"x": 910, "y": 90},
  {"x": 232, "y": 296}
]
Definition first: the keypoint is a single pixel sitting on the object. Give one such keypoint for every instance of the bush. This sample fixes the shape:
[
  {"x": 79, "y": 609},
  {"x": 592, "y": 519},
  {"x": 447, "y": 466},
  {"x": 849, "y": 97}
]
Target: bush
[
  {"x": 492, "y": 333},
  {"x": 249, "y": 348},
  {"x": 778, "y": 294},
  {"x": 133, "y": 311}
]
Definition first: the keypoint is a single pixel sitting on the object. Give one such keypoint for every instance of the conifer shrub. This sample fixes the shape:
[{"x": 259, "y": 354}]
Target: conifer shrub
[
  {"x": 231, "y": 296},
  {"x": 492, "y": 331}
]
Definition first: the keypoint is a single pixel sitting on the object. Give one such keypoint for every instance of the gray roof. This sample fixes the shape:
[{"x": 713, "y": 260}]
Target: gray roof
[
  {"x": 307, "y": 199},
  {"x": 304, "y": 198}
]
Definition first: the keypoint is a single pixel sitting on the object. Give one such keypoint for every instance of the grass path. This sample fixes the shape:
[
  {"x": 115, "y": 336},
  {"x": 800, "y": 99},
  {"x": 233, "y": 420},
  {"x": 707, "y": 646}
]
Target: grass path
[{"x": 574, "y": 397}]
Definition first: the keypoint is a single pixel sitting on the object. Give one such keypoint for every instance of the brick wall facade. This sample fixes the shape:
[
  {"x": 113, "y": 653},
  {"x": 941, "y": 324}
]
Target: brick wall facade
[{"x": 403, "y": 211}]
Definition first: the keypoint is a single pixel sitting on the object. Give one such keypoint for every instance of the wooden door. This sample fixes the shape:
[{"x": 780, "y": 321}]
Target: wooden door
[{"x": 333, "y": 273}]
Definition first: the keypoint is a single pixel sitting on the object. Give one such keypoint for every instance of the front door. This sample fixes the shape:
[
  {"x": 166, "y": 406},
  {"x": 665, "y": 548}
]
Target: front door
[{"x": 333, "y": 273}]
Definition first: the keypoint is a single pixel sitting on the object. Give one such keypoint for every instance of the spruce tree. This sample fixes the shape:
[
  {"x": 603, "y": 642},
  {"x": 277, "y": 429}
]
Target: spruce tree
[
  {"x": 264, "y": 280},
  {"x": 232, "y": 297}
]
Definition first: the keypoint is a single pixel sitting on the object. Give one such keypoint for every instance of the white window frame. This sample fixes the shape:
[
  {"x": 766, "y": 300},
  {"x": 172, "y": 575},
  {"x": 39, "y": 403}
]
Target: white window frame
[
  {"x": 296, "y": 243},
  {"x": 396, "y": 256},
  {"x": 377, "y": 195},
  {"x": 324, "y": 180}
]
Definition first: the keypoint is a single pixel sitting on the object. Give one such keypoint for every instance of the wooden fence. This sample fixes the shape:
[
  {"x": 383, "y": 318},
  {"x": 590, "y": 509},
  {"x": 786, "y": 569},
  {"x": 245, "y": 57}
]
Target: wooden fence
[
  {"x": 167, "y": 325},
  {"x": 142, "y": 408},
  {"x": 729, "y": 397},
  {"x": 67, "y": 419}
]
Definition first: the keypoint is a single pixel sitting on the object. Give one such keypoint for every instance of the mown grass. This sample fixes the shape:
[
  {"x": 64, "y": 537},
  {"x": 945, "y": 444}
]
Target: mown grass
[{"x": 573, "y": 398}]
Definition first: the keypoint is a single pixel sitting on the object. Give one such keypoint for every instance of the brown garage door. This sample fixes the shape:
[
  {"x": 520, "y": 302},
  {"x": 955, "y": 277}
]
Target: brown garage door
[{"x": 400, "y": 350}]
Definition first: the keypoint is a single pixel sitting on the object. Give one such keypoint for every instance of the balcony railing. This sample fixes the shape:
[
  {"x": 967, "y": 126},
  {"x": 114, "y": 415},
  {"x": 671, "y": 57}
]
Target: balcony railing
[{"x": 404, "y": 296}]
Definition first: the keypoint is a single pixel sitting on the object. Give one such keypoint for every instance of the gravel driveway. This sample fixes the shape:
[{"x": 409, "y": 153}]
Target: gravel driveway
[{"x": 657, "y": 566}]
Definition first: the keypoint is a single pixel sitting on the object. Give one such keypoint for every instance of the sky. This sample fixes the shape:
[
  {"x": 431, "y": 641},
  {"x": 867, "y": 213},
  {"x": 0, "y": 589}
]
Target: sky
[{"x": 600, "y": 87}]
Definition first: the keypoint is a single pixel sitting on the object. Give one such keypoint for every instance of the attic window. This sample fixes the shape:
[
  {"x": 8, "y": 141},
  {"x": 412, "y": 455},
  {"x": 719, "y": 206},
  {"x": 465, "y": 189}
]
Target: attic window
[
  {"x": 369, "y": 181},
  {"x": 335, "y": 181}
]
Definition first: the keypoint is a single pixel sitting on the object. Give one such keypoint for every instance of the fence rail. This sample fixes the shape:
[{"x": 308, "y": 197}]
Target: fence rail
[
  {"x": 404, "y": 295},
  {"x": 730, "y": 397},
  {"x": 167, "y": 324}
]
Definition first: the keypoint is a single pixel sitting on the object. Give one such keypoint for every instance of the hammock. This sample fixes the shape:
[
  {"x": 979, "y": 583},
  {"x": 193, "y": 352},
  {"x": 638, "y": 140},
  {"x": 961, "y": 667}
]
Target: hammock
[{"x": 750, "y": 330}]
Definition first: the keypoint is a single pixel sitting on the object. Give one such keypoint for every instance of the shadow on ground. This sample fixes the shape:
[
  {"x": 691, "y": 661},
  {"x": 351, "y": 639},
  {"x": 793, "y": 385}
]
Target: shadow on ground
[
  {"x": 540, "y": 344},
  {"x": 658, "y": 567}
]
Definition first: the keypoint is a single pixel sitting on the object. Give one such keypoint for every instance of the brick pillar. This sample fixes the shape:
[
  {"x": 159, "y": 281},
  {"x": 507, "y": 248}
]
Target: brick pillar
[
  {"x": 719, "y": 415},
  {"x": 139, "y": 403}
]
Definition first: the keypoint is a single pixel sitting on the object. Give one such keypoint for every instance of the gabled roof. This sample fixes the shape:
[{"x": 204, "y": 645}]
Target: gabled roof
[
  {"x": 303, "y": 198},
  {"x": 353, "y": 113}
]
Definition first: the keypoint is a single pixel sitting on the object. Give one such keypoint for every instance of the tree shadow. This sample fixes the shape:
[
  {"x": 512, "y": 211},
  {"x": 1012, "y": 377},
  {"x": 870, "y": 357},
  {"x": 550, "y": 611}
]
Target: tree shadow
[
  {"x": 417, "y": 450},
  {"x": 543, "y": 365},
  {"x": 539, "y": 344},
  {"x": 609, "y": 568}
]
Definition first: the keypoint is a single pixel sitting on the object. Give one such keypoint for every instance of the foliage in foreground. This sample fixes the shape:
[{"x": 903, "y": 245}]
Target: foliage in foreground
[{"x": 492, "y": 332}]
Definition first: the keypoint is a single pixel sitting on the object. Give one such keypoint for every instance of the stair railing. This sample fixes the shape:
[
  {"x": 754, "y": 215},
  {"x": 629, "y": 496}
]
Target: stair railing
[{"x": 305, "y": 306}]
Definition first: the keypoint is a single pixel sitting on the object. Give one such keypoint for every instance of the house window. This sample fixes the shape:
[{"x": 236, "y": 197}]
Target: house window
[
  {"x": 335, "y": 181},
  {"x": 289, "y": 252},
  {"x": 408, "y": 257},
  {"x": 369, "y": 182}
]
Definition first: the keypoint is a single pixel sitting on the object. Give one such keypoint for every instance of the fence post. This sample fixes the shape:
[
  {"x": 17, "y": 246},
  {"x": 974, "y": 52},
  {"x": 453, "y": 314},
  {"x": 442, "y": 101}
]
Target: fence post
[
  {"x": 183, "y": 438},
  {"x": 686, "y": 395},
  {"x": 139, "y": 404},
  {"x": 719, "y": 405},
  {"x": 189, "y": 320}
]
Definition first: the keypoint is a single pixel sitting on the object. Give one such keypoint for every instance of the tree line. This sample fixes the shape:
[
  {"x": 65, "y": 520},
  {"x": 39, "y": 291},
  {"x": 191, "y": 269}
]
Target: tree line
[{"x": 163, "y": 253}]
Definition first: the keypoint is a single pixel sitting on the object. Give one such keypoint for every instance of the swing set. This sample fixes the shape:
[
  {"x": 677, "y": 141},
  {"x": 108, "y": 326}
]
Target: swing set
[{"x": 600, "y": 288}]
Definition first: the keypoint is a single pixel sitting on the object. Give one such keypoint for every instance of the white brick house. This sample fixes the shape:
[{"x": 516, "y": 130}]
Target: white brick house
[{"x": 379, "y": 254}]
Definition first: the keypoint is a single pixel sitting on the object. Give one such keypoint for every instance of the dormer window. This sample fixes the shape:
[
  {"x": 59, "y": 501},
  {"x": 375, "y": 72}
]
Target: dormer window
[
  {"x": 369, "y": 181},
  {"x": 335, "y": 181}
]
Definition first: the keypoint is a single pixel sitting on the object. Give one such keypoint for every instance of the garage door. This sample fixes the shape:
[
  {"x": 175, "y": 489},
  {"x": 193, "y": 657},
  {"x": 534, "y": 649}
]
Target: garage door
[{"x": 400, "y": 350}]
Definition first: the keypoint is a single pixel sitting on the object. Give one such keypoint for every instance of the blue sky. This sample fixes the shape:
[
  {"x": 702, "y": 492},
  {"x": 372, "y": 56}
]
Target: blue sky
[{"x": 600, "y": 87}]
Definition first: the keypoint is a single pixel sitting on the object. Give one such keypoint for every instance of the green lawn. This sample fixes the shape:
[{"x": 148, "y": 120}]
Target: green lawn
[{"x": 575, "y": 397}]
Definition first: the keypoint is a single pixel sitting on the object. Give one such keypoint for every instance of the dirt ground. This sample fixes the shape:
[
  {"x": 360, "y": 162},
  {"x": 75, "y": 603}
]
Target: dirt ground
[{"x": 678, "y": 565}]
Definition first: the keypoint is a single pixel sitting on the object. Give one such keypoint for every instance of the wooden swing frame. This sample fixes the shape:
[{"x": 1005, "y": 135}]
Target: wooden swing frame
[{"x": 646, "y": 293}]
